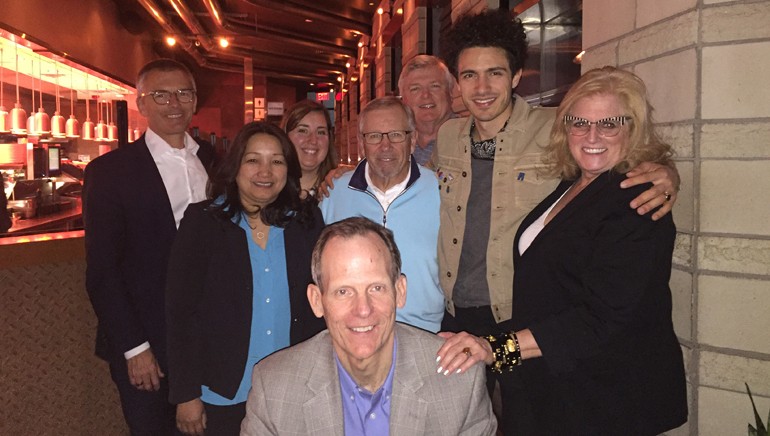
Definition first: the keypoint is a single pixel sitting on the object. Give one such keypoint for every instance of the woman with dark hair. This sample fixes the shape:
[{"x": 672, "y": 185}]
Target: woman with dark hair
[
  {"x": 310, "y": 129},
  {"x": 237, "y": 279}
]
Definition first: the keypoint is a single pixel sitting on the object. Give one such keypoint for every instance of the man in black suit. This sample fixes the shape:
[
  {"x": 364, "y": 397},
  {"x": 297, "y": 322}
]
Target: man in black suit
[{"x": 134, "y": 198}]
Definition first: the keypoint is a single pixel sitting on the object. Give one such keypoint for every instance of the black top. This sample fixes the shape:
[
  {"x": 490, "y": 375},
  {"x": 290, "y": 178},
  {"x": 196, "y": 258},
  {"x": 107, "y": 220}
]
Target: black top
[
  {"x": 593, "y": 289},
  {"x": 209, "y": 300}
]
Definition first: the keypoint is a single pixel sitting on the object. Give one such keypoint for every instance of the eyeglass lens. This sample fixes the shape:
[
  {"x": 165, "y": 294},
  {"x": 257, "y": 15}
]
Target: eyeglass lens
[
  {"x": 606, "y": 127},
  {"x": 164, "y": 97},
  {"x": 394, "y": 136}
]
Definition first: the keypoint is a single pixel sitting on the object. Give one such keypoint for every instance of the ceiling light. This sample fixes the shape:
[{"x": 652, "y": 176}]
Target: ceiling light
[
  {"x": 308, "y": 20},
  {"x": 57, "y": 120},
  {"x": 380, "y": 11},
  {"x": 18, "y": 114},
  {"x": 170, "y": 41},
  {"x": 360, "y": 44},
  {"x": 400, "y": 11},
  {"x": 347, "y": 64},
  {"x": 223, "y": 42},
  {"x": 339, "y": 78},
  {"x": 72, "y": 127},
  {"x": 5, "y": 120}
]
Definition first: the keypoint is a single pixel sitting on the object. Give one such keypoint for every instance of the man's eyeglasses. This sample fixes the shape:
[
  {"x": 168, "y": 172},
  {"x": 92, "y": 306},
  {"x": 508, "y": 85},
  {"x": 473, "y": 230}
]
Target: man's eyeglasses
[
  {"x": 606, "y": 127},
  {"x": 164, "y": 97},
  {"x": 394, "y": 136}
]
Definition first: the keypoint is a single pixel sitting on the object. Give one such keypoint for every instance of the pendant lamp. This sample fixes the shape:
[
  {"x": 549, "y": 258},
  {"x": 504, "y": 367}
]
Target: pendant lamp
[
  {"x": 18, "y": 114},
  {"x": 31, "y": 119},
  {"x": 101, "y": 128},
  {"x": 88, "y": 125},
  {"x": 112, "y": 129},
  {"x": 57, "y": 121},
  {"x": 5, "y": 117},
  {"x": 42, "y": 121},
  {"x": 72, "y": 128}
]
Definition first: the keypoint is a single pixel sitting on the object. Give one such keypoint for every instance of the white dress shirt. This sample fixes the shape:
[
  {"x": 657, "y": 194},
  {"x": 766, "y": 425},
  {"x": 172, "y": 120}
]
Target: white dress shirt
[
  {"x": 389, "y": 195},
  {"x": 182, "y": 172}
]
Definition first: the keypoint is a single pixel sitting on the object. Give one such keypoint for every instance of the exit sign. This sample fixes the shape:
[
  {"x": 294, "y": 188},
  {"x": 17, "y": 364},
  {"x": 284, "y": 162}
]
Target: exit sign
[{"x": 322, "y": 96}]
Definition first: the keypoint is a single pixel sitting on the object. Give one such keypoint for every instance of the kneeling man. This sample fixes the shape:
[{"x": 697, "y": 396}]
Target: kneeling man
[{"x": 365, "y": 374}]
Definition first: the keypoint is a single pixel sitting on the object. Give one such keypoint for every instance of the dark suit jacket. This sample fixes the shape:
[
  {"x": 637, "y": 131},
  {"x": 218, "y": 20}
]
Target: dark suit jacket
[
  {"x": 297, "y": 392},
  {"x": 129, "y": 231},
  {"x": 5, "y": 217},
  {"x": 593, "y": 289},
  {"x": 209, "y": 300}
]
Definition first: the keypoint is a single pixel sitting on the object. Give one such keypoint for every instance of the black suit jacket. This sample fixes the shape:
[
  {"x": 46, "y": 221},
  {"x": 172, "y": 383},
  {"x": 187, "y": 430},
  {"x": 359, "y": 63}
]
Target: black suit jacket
[
  {"x": 129, "y": 231},
  {"x": 593, "y": 289},
  {"x": 209, "y": 300}
]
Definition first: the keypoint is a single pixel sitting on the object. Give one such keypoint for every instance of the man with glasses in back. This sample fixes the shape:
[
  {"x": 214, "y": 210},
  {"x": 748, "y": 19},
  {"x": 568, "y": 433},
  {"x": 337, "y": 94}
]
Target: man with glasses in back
[
  {"x": 134, "y": 198},
  {"x": 390, "y": 188}
]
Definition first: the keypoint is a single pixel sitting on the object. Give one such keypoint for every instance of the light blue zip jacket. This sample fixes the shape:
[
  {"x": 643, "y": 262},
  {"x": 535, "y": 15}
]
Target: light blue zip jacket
[{"x": 413, "y": 218}]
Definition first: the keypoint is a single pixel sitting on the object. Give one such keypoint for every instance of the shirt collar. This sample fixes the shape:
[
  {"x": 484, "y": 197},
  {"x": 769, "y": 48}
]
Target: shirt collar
[
  {"x": 393, "y": 190},
  {"x": 158, "y": 146},
  {"x": 349, "y": 387}
]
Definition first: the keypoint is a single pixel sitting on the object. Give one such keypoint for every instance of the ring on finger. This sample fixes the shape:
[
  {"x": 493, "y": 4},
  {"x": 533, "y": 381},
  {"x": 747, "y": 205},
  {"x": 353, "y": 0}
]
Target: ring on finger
[
  {"x": 467, "y": 351},
  {"x": 667, "y": 195}
]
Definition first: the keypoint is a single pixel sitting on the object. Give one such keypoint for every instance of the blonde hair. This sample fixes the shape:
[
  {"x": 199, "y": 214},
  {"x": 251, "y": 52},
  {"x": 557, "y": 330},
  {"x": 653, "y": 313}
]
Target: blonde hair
[{"x": 643, "y": 145}]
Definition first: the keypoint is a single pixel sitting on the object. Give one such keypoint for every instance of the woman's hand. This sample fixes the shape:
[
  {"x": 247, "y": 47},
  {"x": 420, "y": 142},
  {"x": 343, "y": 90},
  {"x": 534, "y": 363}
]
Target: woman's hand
[
  {"x": 191, "y": 417},
  {"x": 665, "y": 182},
  {"x": 461, "y": 351}
]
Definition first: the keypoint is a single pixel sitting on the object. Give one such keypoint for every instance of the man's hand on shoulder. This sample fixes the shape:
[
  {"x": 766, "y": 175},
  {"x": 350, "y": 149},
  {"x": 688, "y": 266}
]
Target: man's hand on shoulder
[
  {"x": 665, "y": 180},
  {"x": 328, "y": 183},
  {"x": 144, "y": 371}
]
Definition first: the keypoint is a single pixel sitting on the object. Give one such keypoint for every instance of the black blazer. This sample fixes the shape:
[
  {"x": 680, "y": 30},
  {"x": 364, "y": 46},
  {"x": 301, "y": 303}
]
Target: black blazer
[
  {"x": 593, "y": 289},
  {"x": 209, "y": 300},
  {"x": 129, "y": 231}
]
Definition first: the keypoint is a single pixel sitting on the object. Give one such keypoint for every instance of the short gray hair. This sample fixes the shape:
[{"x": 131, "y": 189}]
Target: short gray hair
[
  {"x": 382, "y": 103},
  {"x": 424, "y": 61},
  {"x": 163, "y": 64}
]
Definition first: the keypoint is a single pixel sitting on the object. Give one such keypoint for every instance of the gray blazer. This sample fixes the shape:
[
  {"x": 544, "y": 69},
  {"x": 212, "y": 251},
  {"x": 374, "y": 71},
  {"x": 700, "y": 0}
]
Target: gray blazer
[{"x": 296, "y": 391}]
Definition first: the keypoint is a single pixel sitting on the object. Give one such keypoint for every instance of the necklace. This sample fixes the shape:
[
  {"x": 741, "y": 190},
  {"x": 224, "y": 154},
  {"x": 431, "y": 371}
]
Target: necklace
[{"x": 260, "y": 234}]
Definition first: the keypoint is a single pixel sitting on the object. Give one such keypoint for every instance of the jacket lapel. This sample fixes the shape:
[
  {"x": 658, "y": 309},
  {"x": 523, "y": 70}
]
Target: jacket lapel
[
  {"x": 149, "y": 184},
  {"x": 408, "y": 408},
  {"x": 323, "y": 411},
  {"x": 583, "y": 199}
]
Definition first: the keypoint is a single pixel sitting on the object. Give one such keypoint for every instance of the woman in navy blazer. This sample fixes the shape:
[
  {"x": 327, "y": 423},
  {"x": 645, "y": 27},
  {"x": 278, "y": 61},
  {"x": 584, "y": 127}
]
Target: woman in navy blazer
[
  {"x": 591, "y": 346},
  {"x": 237, "y": 280}
]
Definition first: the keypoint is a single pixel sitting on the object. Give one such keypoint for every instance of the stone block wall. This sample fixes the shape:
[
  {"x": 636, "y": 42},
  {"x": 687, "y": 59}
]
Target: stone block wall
[{"x": 705, "y": 64}]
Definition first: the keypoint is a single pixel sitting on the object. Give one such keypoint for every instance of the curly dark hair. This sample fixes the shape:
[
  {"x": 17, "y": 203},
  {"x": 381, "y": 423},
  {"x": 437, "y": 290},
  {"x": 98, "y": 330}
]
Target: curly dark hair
[
  {"x": 286, "y": 207},
  {"x": 490, "y": 28}
]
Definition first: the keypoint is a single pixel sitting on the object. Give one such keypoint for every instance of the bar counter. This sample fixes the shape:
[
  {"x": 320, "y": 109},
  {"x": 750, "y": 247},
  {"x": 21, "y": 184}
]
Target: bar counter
[{"x": 67, "y": 219}]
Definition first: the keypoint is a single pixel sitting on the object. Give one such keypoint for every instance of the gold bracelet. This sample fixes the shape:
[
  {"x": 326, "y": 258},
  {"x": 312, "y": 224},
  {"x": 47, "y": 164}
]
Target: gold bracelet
[{"x": 506, "y": 351}]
